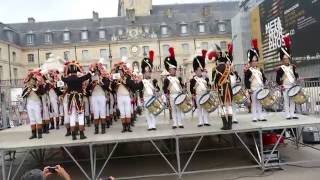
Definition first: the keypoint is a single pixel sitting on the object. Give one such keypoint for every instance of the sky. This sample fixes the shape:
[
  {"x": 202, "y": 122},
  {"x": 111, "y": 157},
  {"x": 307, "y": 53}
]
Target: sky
[{"x": 17, "y": 11}]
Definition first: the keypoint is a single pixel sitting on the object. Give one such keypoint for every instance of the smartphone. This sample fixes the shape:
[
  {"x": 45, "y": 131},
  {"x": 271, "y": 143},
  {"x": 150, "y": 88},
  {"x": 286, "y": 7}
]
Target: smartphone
[{"x": 52, "y": 169}]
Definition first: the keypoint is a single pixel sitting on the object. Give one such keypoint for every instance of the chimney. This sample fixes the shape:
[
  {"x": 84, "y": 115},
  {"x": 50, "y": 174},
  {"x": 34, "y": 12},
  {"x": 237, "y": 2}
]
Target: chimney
[
  {"x": 31, "y": 20},
  {"x": 95, "y": 16},
  {"x": 131, "y": 15}
]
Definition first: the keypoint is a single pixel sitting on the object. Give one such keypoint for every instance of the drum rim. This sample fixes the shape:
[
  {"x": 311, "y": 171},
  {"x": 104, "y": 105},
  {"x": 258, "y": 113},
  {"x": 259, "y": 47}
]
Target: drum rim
[
  {"x": 238, "y": 91},
  {"x": 145, "y": 105},
  {"x": 159, "y": 112},
  {"x": 260, "y": 91},
  {"x": 292, "y": 88},
  {"x": 202, "y": 97},
  {"x": 174, "y": 101}
]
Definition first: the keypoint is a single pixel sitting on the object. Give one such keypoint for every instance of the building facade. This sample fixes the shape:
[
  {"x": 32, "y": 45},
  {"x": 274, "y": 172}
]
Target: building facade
[{"x": 138, "y": 28}]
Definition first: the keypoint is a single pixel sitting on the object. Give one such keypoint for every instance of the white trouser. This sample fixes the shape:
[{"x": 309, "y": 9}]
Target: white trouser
[
  {"x": 234, "y": 114},
  {"x": 86, "y": 106},
  {"x": 91, "y": 104},
  {"x": 65, "y": 110},
  {"x": 54, "y": 104},
  {"x": 34, "y": 112},
  {"x": 256, "y": 107},
  {"x": 176, "y": 112},
  {"x": 289, "y": 105},
  {"x": 151, "y": 119},
  {"x": 201, "y": 112},
  {"x": 111, "y": 103},
  {"x": 99, "y": 107},
  {"x": 45, "y": 107},
  {"x": 124, "y": 105},
  {"x": 61, "y": 110},
  {"x": 76, "y": 117}
]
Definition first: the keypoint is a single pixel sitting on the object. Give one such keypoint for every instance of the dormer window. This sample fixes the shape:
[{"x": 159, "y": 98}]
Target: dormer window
[
  {"x": 9, "y": 34},
  {"x": 66, "y": 36},
  {"x": 84, "y": 35},
  {"x": 48, "y": 37},
  {"x": 120, "y": 32},
  {"x": 164, "y": 29},
  {"x": 183, "y": 29},
  {"x": 201, "y": 28},
  {"x": 30, "y": 39},
  {"x": 222, "y": 27},
  {"x": 102, "y": 34}
]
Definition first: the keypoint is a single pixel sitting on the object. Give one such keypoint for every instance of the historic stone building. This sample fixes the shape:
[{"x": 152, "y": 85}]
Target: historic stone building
[{"x": 138, "y": 28}]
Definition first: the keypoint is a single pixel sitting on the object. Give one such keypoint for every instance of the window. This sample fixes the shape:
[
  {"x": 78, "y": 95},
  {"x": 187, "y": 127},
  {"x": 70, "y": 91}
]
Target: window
[
  {"x": 183, "y": 29},
  {"x": 223, "y": 45},
  {"x": 1, "y": 72},
  {"x": 104, "y": 53},
  {"x": 30, "y": 39},
  {"x": 66, "y": 36},
  {"x": 164, "y": 30},
  {"x": 30, "y": 58},
  {"x": 145, "y": 50},
  {"x": 14, "y": 56},
  {"x": 204, "y": 45},
  {"x": 48, "y": 38},
  {"x": 84, "y": 35},
  {"x": 123, "y": 51},
  {"x": 9, "y": 35},
  {"x": 15, "y": 73},
  {"x": 85, "y": 54},
  {"x": 66, "y": 55},
  {"x": 48, "y": 55},
  {"x": 222, "y": 27},
  {"x": 102, "y": 34},
  {"x": 120, "y": 32},
  {"x": 165, "y": 49},
  {"x": 201, "y": 28},
  {"x": 185, "y": 48}
]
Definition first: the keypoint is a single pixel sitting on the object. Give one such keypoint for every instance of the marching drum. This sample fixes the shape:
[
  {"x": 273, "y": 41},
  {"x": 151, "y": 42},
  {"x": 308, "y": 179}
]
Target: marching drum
[
  {"x": 183, "y": 102},
  {"x": 239, "y": 95},
  {"x": 266, "y": 98},
  {"x": 296, "y": 93},
  {"x": 154, "y": 106},
  {"x": 209, "y": 102}
]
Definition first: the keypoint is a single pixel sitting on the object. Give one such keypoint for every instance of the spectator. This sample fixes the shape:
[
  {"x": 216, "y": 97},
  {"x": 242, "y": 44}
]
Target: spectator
[{"x": 37, "y": 174}]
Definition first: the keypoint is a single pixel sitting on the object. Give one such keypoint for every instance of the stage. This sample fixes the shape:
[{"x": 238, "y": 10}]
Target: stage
[{"x": 17, "y": 139}]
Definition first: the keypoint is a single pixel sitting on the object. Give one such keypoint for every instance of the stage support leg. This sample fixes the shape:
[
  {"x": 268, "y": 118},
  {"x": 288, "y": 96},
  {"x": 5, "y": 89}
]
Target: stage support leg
[
  {"x": 21, "y": 163},
  {"x": 107, "y": 160},
  {"x": 91, "y": 161},
  {"x": 178, "y": 157},
  {"x": 194, "y": 150},
  {"x": 275, "y": 146},
  {"x": 257, "y": 147},
  {"x": 247, "y": 148},
  {"x": 3, "y": 165},
  {"x": 261, "y": 151},
  {"x": 76, "y": 162},
  {"x": 164, "y": 157}
]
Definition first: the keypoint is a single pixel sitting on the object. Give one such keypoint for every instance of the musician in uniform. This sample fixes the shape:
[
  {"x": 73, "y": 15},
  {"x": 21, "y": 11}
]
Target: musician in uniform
[
  {"x": 254, "y": 80},
  {"x": 147, "y": 90},
  {"x": 172, "y": 87},
  {"x": 123, "y": 85},
  {"x": 222, "y": 84},
  {"x": 97, "y": 86},
  {"x": 53, "y": 96},
  {"x": 199, "y": 85},
  {"x": 32, "y": 92},
  {"x": 75, "y": 97},
  {"x": 286, "y": 77},
  {"x": 86, "y": 102},
  {"x": 45, "y": 102}
]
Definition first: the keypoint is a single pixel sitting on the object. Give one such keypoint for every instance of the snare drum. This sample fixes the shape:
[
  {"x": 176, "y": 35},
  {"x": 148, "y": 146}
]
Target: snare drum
[
  {"x": 154, "y": 106},
  {"x": 266, "y": 98},
  {"x": 296, "y": 93},
  {"x": 209, "y": 102},
  {"x": 183, "y": 102},
  {"x": 239, "y": 95}
]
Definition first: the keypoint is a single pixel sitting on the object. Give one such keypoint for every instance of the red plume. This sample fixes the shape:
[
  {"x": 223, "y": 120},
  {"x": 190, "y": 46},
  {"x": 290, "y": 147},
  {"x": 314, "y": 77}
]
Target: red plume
[
  {"x": 230, "y": 49},
  {"x": 171, "y": 51},
  {"x": 254, "y": 43},
  {"x": 212, "y": 54},
  {"x": 151, "y": 55},
  {"x": 287, "y": 41},
  {"x": 204, "y": 53}
]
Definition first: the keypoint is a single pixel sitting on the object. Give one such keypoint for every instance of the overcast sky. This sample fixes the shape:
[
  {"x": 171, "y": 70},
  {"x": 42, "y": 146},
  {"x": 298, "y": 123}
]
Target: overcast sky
[{"x": 15, "y": 11}]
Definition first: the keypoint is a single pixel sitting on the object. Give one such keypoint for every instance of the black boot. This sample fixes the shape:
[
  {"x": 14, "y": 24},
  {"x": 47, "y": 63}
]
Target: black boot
[
  {"x": 68, "y": 132},
  {"x": 74, "y": 136},
  {"x": 57, "y": 124},
  {"x": 225, "y": 123},
  {"x": 52, "y": 124},
  {"x": 34, "y": 134},
  {"x": 96, "y": 129},
  {"x": 88, "y": 120},
  {"x": 47, "y": 128},
  {"x": 39, "y": 133},
  {"x": 62, "y": 120},
  {"x": 229, "y": 122},
  {"x": 129, "y": 127},
  {"x": 124, "y": 127},
  {"x": 82, "y": 136},
  {"x": 108, "y": 124},
  {"x": 103, "y": 128}
]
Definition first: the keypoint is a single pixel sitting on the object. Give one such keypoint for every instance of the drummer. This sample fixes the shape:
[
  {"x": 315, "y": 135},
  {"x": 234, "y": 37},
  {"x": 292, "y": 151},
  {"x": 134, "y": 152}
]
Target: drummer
[
  {"x": 199, "y": 86},
  {"x": 172, "y": 87},
  {"x": 254, "y": 80},
  {"x": 147, "y": 89},
  {"x": 286, "y": 77}
]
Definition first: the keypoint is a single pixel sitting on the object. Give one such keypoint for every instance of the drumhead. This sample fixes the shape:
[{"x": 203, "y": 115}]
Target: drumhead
[
  {"x": 179, "y": 99},
  {"x": 294, "y": 90},
  {"x": 204, "y": 98},
  {"x": 262, "y": 93},
  {"x": 236, "y": 89}
]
